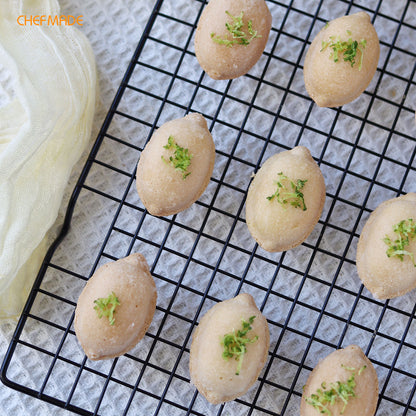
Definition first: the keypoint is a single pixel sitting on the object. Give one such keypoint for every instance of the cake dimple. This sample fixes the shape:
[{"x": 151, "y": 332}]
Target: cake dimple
[
  {"x": 388, "y": 273},
  {"x": 285, "y": 200},
  {"x": 222, "y": 54},
  {"x": 342, "y": 60}
]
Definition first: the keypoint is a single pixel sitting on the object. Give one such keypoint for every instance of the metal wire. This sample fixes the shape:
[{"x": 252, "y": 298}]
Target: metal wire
[{"x": 302, "y": 325}]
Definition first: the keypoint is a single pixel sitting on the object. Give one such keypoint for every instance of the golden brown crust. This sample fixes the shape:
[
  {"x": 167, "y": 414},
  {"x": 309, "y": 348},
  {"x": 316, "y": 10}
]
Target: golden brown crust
[
  {"x": 332, "y": 84},
  {"x": 130, "y": 280},
  {"x": 332, "y": 369},
  {"x": 213, "y": 376},
  {"x": 161, "y": 188},
  {"x": 221, "y": 61},
  {"x": 278, "y": 227},
  {"x": 386, "y": 277}
]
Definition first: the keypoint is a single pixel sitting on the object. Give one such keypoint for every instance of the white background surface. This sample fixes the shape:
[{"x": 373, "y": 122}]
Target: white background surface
[{"x": 114, "y": 29}]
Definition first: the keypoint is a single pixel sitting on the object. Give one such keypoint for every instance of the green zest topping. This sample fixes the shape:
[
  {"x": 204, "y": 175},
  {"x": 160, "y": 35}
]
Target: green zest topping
[
  {"x": 334, "y": 393},
  {"x": 406, "y": 231},
  {"x": 181, "y": 158},
  {"x": 289, "y": 192},
  {"x": 107, "y": 306},
  {"x": 348, "y": 48},
  {"x": 239, "y": 35},
  {"x": 235, "y": 343}
]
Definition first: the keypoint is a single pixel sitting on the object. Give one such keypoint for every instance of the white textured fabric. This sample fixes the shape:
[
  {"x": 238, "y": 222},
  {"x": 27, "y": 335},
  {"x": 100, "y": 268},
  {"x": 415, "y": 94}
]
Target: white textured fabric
[{"x": 43, "y": 131}]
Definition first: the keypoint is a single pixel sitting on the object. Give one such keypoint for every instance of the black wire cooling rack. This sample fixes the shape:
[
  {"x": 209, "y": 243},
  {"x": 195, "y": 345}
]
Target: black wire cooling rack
[{"x": 311, "y": 296}]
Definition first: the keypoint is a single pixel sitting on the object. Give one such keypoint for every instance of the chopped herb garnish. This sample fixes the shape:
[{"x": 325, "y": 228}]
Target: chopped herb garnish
[
  {"x": 289, "y": 192},
  {"x": 347, "y": 48},
  {"x": 235, "y": 343},
  {"x": 406, "y": 232},
  {"x": 329, "y": 395},
  {"x": 240, "y": 36},
  {"x": 107, "y": 306},
  {"x": 181, "y": 158}
]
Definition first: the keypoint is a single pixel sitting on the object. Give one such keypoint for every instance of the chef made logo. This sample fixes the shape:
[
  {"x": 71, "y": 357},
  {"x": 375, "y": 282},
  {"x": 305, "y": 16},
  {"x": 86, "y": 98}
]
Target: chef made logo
[{"x": 49, "y": 20}]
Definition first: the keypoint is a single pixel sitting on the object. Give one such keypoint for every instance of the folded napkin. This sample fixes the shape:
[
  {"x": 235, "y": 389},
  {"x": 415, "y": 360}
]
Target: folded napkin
[{"x": 44, "y": 128}]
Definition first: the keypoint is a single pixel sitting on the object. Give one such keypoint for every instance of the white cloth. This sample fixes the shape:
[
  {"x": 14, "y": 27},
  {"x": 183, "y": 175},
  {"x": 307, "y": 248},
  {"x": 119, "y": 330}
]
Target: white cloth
[{"x": 43, "y": 131}]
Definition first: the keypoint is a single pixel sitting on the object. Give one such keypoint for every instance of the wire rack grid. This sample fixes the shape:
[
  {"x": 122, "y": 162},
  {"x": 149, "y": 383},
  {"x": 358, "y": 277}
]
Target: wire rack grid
[{"x": 311, "y": 296}]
